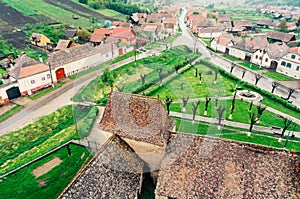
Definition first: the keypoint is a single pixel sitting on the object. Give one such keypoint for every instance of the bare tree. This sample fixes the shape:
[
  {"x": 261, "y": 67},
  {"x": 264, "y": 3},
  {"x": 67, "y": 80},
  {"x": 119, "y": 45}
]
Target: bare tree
[
  {"x": 243, "y": 73},
  {"x": 200, "y": 77},
  {"x": 291, "y": 91},
  {"x": 159, "y": 71},
  {"x": 196, "y": 72},
  {"x": 181, "y": 86},
  {"x": 287, "y": 123},
  {"x": 143, "y": 78},
  {"x": 260, "y": 109},
  {"x": 184, "y": 103},
  {"x": 120, "y": 88},
  {"x": 257, "y": 78},
  {"x": 253, "y": 120},
  {"x": 207, "y": 100},
  {"x": 195, "y": 106},
  {"x": 168, "y": 103},
  {"x": 232, "y": 67},
  {"x": 216, "y": 76},
  {"x": 232, "y": 105},
  {"x": 250, "y": 107},
  {"x": 177, "y": 67},
  {"x": 220, "y": 111},
  {"x": 274, "y": 86}
]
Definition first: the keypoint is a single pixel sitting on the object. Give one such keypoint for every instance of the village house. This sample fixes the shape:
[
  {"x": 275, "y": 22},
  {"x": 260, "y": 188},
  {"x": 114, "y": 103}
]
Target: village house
[
  {"x": 201, "y": 23},
  {"x": 119, "y": 36},
  {"x": 120, "y": 24},
  {"x": 264, "y": 23},
  {"x": 274, "y": 36},
  {"x": 153, "y": 31},
  {"x": 31, "y": 75},
  {"x": 99, "y": 35},
  {"x": 290, "y": 63},
  {"x": 243, "y": 23},
  {"x": 209, "y": 32},
  {"x": 171, "y": 26},
  {"x": 71, "y": 33},
  {"x": 223, "y": 43},
  {"x": 39, "y": 40},
  {"x": 9, "y": 91},
  {"x": 63, "y": 44}
]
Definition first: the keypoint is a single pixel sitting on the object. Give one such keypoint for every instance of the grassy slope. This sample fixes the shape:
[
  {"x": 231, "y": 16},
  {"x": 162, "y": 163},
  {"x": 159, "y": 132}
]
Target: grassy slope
[
  {"x": 23, "y": 184},
  {"x": 10, "y": 112},
  {"x": 278, "y": 76}
]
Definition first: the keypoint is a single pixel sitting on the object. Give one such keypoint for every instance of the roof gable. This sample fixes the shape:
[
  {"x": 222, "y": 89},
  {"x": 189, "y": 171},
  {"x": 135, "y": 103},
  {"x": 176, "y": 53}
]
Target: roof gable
[
  {"x": 33, "y": 70},
  {"x": 280, "y": 36},
  {"x": 20, "y": 62},
  {"x": 136, "y": 117}
]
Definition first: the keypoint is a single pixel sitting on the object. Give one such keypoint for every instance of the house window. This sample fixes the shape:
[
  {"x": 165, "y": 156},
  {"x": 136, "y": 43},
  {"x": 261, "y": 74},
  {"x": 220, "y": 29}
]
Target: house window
[
  {"x": 267, "y": 59},
  {"x": 293, "y": 56},
  {"x": 260, "y": 58},
  {"x": 32, "y": 81},
  {"x": 289, "y": 65},
  {"x": 298, "y": 68},
  {"x": 283, "y": 63},
  {"x": 48, "y": 76},
  {"x": 43, "y": 78},
  {"x": 256, "y": 57}
]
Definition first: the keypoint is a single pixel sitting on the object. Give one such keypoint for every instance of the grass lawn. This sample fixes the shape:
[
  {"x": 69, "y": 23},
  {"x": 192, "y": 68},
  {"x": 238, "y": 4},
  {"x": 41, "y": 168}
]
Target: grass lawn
[
  {"x": 278, "y": 76},
  {"x": 192, "y": 86},
  {"x": 240, "y": 113},
  {"x": 23, "y": 184},
  {"x": 206, "y": 41},
  {"x": 230, "y": 57},
  {"x": 201, "y": 128},
  {"x": 126, "y": 56},
  {"x": 10, "y": 112},
  {"x": 249, "y": 65},
  {"x": 43, "y": 135},
  {"x": 129, "y": 74},
  {"x": 45, "y": 91},
  {"x": 2, "y": 72}
]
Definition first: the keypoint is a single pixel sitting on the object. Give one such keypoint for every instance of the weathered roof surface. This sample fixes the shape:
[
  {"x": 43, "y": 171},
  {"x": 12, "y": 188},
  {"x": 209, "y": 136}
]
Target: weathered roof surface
[
  {"x": 97, "y": 38},
  {"x": 121, "y": 24},
  {"x": 69, "y": 55},
  {"x": 252, "y": 44},
  {"x": 280, "y": 36},
  {"x": 136, "y": 117},
  {"x": 20, "y": 62},
  {"x": 224, "y": 39},
  {"x": 32, "y": 70},
  {"x": 276, "y": 51},
  {"x": 152, "y": 27},
  {"x": 264, "y": 22},
  {"x": 242, "y": 23},
  {"x": 204, "y": 22},
  {"x": 63, "y": 44},
  {"x": 224, "y": 18},
  {"x": 203, "y": 167},
  {"x": 70, "y": 32},
  {"x": 114, "y": 172},
  {"x": 102, "y": 31},
  {"x": 36, "y": 37},
  {"x": 210, "y": 30}
]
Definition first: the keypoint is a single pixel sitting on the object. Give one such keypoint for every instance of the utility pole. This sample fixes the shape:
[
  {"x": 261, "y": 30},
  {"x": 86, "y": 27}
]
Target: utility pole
[{"x": 51, "y": 74}]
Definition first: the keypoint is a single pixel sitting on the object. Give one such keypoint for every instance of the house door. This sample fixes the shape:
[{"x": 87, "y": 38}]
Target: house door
[
  {"x": 274, "y": 65},
  {"x": 60, "y": 74},
  {"x": 227, "y": 51},
  {"x": 248, "y": 58},
  {"x": 13, "y": 92},
  {"x": 120, "y": 51}
]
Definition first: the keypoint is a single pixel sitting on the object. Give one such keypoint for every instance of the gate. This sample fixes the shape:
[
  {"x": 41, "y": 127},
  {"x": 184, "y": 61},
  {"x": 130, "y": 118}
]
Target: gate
[
  {"x": 13, "y": 92},
  {"x": 60, "y": 73}
]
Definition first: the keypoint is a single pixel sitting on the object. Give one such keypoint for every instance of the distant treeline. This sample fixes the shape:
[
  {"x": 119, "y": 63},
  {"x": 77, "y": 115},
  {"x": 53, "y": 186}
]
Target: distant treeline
[
  {"x": 122, "y": 6},
  {"x": 275, "y": 2}
]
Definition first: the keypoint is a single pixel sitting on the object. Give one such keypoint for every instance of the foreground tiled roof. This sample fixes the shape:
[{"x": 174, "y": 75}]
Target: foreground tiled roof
[
  {"x": 224, "y": 39},
  {"x": 63, "y": 44},
  {"x": 295, "y": 50},
  {"x": 252, "y": 44},
  {"x": 202, "y": 167},
  {"x": 20, "y": 62},
  {"x": 114, "y": 172},
  {"x": 276, "y": 51},
  {"x": 136, "y": 117}
]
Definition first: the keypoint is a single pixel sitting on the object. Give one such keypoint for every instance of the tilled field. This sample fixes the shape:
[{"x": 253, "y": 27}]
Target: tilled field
[{"x": 77, "y": 9}]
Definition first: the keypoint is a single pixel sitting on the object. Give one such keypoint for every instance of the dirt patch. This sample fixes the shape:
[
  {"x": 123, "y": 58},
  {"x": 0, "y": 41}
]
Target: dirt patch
[
  {"x": 41, "y": 170},
  {"x": 42, "y": 183},
  {"x": 77, "y": 9},
  {"x": 5, "y": 108}
]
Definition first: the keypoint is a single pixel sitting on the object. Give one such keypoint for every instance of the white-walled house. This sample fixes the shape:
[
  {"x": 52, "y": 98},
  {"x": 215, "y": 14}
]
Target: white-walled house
[
  {"x": 290, "y": 63},
  {"x": 209, "y": 32},
  {"x": 222, "y": 43}
]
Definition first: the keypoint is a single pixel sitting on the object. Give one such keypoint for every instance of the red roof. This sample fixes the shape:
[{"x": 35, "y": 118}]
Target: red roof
[
  {"x": 97, "y": 37},
  {"x": 102, "y": 31},
  {"x": 33, "y": 69},
  {"x": 295, "y": 50},
  {"x": 123, "y": 32}
]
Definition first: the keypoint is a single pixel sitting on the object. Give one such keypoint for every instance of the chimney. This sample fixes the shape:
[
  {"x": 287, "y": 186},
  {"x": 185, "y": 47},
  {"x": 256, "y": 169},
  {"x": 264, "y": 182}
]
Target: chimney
[{"x": 41, "y": 58}]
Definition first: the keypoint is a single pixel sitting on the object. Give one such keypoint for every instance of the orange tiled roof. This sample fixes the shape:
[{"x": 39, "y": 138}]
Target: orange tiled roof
[{"x": 32, "y": 70}]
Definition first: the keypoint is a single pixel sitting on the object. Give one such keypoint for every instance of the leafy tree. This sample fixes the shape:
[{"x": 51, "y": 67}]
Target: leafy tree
[
  {"x": 108, "y": 78},
  {"x": 83, "y": 35},
  {"x": 83, "y": 1},
  {"x": 282, "y": 27}
]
